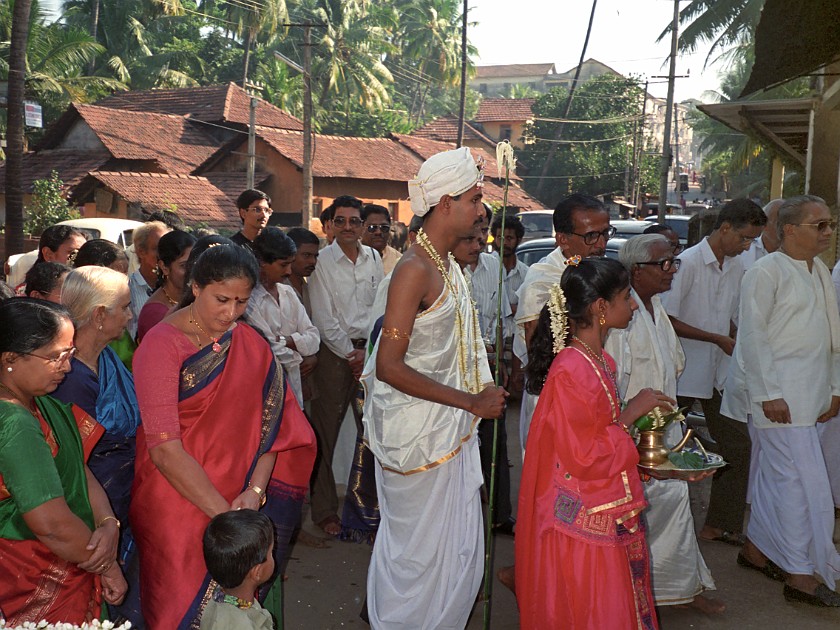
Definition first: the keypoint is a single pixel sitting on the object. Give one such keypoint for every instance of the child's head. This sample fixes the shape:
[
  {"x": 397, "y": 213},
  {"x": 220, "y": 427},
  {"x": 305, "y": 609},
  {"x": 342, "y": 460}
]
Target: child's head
[{"x": 236, "y": 542}]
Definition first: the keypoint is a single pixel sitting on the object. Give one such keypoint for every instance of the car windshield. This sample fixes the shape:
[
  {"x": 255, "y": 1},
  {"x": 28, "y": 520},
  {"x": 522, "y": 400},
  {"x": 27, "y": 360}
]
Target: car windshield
[
  {"x": 90, "y": 233},
  {"x": 537, "y": 224},
  {"x": 126, "y": 237},
  {"x": 680, "y": 227}
]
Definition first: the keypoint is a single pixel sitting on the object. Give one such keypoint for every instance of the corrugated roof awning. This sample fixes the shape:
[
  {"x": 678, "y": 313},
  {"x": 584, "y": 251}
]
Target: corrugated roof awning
[{"x": 782, "y": 123}]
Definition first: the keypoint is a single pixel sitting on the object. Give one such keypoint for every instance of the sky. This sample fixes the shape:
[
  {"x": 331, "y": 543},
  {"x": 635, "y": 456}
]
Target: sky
[{"x": 623, "y": 36}]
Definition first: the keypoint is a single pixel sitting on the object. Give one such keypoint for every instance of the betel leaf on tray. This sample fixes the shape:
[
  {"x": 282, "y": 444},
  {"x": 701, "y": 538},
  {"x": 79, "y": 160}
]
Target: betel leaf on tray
[{"x": 687, "y": 460}]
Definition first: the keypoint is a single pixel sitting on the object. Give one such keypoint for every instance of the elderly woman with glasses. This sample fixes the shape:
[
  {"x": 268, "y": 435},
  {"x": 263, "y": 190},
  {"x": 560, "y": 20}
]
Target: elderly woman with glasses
[
  {"x": 58, "y": 534},
  {"x": 98, "y": 300}
]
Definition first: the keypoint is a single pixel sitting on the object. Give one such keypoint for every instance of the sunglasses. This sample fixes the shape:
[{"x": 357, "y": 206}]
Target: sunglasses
[
  {"x": 822, "y": 226},
  {"x": 342, "y": 221},
  {"x": 666, "y": 264},
  {"x": 383, "y": 228},
  {"x": 590, "y": 238}
]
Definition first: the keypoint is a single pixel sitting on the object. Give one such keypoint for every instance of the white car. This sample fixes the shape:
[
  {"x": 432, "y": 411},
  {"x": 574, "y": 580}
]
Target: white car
[{"x": 117, "y": 231}]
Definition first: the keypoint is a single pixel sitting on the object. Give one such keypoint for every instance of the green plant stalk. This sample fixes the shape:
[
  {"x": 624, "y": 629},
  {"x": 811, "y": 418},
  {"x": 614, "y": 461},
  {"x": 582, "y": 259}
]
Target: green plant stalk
[{"x": 491, "y": 499}]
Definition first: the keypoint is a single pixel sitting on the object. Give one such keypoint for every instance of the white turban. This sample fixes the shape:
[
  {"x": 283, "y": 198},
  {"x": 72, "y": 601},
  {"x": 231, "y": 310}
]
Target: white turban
[{"x": 449, "y": 173}]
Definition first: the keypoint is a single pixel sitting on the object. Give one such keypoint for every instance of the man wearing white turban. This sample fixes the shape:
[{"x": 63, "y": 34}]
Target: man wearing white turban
[{"x": 427, "y": 385}]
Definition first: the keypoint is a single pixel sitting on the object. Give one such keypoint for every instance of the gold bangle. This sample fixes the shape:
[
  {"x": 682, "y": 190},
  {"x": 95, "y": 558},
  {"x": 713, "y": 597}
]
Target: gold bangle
[
  {"x": 109, "y": 518},
  {"x": 394, "y": 333},
  {"x": 260, "y": 493}
]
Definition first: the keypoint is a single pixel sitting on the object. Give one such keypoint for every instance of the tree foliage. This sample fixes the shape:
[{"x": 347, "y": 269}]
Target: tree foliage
[
  {"x": 48, "y": 205},
  {"x": 592, "y": 157}
]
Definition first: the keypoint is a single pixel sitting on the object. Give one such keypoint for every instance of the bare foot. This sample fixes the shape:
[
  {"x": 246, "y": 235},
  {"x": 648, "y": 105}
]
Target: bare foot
[
  {"x": 308, "y": 540},
  {"x": 705, "y": 605},
  {"x": 507, "y": 576},
  {"x": 331, "y": 525}
]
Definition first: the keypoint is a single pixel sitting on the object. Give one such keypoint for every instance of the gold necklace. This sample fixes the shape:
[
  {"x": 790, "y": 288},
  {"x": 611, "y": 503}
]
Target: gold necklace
[
  {"x": 215, "y": 340},
  {"x": 171, "y": 301},
  {"x": 599, "y": 358},
  {"x": 16, "y": 397},
  {"x": 473, "y": 385}
]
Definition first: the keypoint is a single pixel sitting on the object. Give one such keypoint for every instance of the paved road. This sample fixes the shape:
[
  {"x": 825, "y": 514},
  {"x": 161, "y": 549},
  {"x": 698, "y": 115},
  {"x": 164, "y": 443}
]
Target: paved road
[{"x": 326, "y": 587}]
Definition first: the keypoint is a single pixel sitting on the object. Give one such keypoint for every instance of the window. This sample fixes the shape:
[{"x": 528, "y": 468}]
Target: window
[
  {"x": 482, "y": 88},
  {"x": 504, "y": 132}
]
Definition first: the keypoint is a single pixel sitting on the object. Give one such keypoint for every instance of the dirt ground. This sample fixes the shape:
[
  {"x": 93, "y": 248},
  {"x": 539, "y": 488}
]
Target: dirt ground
[{"x": 326, "y": 587}]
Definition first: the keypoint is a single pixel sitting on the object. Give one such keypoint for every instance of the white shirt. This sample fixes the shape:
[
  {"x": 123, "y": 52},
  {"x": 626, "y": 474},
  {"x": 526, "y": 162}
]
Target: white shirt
[
  {"x": 514, "y": 279},
  {"x": 140, "y": 292},
  {"x": 484, "y": 286},
  {"x": 342, "y": 294},
  {"x": 704, "y": 296},
  {"x": 756, "y": 251},
  {"x": 784, "y": 347},
  {"x": 279, "y": 320},
  {"x": 835, "y": 278},
  {"x": 390, "y": 258},
  {"x": 533, "y": 295}
]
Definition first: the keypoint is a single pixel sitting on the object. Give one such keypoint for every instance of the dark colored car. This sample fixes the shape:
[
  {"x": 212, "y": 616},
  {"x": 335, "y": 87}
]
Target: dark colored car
[{"x": 537, "y": 249}]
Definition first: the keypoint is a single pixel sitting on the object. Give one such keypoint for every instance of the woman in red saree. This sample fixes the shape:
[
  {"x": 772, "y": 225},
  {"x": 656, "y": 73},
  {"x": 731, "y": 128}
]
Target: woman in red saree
[
  {"x": 581, "y": 557},
  {"x": 58, "y": 535},
  {"x": 220, "y": 432}
]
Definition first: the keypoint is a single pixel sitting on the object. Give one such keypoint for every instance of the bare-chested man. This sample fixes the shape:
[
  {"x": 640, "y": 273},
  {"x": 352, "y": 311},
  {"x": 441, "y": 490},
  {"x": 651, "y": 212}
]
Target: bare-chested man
[{"x": 428, "y": 384}]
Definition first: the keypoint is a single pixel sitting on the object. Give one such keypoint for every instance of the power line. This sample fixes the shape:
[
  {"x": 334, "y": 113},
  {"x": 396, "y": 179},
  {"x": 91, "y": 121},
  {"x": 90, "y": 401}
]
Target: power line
[
  {"x": 629, "y": 135},
  {"x": 601, "y": 121},
  {"x": 572, "y": 176}
]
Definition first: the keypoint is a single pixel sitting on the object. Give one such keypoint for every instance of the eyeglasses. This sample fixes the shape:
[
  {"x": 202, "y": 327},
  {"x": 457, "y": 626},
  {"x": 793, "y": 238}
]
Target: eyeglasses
[
  {"x": 590, "y": 238},
  {"x": 822, "y": 226},
  {"x": 678, "y": 249},
  {"x": 666, "y": 264},
  {"x": 384, "y": 228},
  {"x": 746, "y": 239},
  {"x": 262, "y": 210},
  {"x": 342, "y": 221},
  {"x": 66, "y": 355}
]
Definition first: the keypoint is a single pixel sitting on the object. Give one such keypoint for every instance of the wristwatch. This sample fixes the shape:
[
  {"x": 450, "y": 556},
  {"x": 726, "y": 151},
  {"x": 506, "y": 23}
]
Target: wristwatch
[{"x": 260, "y": 493}]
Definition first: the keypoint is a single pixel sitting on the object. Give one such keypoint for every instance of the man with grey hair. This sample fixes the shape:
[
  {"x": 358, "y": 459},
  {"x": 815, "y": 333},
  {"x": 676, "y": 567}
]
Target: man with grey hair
[
  {"x": 768, "y": 242},
  {"x": 648, "y": 355},
  {"x": 787, "y": 356}
]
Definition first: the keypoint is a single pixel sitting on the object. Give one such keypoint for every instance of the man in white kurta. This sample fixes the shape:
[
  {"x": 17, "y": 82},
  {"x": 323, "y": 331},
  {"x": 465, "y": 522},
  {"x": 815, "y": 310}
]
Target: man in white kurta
[
  {"x": 427, "y": 382},
  {"x": 582, "y": 226},
  {"x": 788, "y": 357},
  {"x": 648, "y": 354}
]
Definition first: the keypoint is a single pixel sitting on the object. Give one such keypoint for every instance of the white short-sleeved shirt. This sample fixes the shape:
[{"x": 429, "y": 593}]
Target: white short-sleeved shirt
[{"x": 705, "y": 296}]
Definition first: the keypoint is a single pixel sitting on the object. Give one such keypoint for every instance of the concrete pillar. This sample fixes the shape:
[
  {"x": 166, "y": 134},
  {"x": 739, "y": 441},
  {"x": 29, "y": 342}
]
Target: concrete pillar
[{"x": 777, "y": 179}]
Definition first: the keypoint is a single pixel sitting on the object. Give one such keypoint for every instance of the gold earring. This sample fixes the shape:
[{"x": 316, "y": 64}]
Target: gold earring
[{"x": 602, "y": 320}]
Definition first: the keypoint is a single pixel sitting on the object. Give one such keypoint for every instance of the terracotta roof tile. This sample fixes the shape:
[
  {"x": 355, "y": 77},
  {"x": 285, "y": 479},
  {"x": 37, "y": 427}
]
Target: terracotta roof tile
[
  {"x": 505, "y": 110},
  {"x": 445, "y": 129},
  {"x": 211, "y": 103},
  {"x": 493, "y": 191},
  {"x": 71, "y": 165},
  {"x": 196, "y": 199},
  {"x": 233, "y": 183},
  {"x": 513, "y": 70},
  {"x": 172, "y": 141},
  {"x": 341, "y": 156}
]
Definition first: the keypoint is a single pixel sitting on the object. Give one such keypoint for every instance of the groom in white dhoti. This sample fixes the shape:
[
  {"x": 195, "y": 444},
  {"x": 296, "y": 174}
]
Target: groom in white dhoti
[
  {"x": 787, "y": 359},
  {"x": 648, "y": 355},
  {"x": 427, "y": 385}
]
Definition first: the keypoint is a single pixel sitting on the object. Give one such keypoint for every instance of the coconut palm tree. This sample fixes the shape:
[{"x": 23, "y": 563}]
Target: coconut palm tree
[{"x": 725, "y": 23}]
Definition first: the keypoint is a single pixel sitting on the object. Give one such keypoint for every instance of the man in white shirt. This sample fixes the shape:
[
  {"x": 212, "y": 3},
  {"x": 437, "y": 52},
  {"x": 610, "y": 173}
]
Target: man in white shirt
[
  {"x": 342, "y": 290},
  {"x": 143, "y": 281},
  {"x": 582, "y": 228},
  {"x": 276, "y": 311},
  {"x": 702, "y": 305},
  {"x": 648, "y": 355},
  {"x": 788, "y": 357},
  {"x": 376, "y": 233},
  {"x": 768, "y": 242}
]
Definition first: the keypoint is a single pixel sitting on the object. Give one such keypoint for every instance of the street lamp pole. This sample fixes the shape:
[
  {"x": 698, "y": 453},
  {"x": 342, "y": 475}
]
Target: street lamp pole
[{"x": 306, "y": 210}]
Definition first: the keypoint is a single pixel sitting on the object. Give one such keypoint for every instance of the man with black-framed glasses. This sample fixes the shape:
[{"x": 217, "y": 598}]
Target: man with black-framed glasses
[
  {"x": 254, "y": 207},
  {"x": 376, "y": 233}
]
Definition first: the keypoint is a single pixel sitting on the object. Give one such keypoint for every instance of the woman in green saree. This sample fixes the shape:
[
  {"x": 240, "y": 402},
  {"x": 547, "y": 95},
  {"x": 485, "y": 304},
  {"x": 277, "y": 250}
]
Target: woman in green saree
[{"x": 58, "y": 534}]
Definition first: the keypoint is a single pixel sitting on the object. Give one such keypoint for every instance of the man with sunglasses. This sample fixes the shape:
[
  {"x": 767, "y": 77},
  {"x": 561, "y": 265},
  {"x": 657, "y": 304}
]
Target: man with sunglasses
[
  {"x": 376, "y": 233},
  {"x": 254, "y": 208},
  {"x": 648, "y": 355},
  {"x": 341, "y": 290},
  {"x": 787, "y": 359},
  {"x": 703, "y": 305}
]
